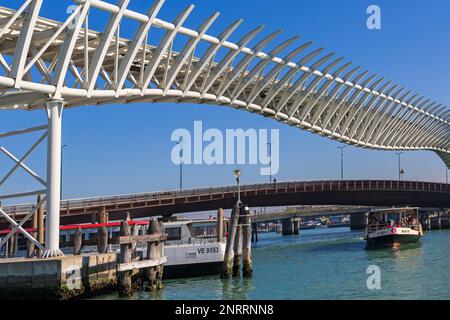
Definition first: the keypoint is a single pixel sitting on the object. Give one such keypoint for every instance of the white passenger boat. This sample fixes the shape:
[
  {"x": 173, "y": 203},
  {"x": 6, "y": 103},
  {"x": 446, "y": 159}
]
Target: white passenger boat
[
  {"x": 192, "y": 248},
  {"x": 393, "y": 227}
]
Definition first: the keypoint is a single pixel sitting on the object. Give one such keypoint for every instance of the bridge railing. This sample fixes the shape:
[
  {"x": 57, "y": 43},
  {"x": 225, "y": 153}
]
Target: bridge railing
[{"x": 246, "y": 190}]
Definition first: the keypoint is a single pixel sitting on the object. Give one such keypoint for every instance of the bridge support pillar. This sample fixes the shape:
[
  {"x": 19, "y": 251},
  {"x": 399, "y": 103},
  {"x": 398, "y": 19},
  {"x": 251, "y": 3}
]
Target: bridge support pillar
[
  {"x": 54, "y": 113},
  {"x": 296, "y": 227},
  {"x": 358, "y": 221},
  {"x": 290, "y": 227}
]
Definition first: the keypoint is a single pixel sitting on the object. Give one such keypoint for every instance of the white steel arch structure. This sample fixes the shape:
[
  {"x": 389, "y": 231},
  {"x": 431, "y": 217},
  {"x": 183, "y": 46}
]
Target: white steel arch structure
[{"x": 51, "y": 65}]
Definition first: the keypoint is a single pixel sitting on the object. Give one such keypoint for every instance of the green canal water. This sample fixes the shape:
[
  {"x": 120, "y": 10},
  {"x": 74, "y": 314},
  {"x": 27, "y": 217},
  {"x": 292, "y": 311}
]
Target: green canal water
[{"x": 326, "y": 264}]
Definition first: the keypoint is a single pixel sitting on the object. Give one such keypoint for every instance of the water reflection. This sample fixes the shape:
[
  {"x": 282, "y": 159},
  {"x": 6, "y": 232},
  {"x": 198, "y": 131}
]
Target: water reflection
[
  {"x": 236, "y": 288},
  {"x": 413, "y": 250}
]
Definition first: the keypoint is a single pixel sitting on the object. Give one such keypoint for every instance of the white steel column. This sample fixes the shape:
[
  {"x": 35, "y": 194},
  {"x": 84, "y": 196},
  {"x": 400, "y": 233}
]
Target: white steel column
[{"x": 54, "y": 112}]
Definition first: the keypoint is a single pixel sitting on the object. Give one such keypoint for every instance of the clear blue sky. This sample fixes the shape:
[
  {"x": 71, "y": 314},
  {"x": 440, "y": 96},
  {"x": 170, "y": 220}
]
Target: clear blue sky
[{"x": 126, "y": 148}]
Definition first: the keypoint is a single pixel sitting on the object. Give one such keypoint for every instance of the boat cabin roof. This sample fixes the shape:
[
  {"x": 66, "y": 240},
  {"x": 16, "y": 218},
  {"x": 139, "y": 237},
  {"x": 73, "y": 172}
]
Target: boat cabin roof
[
  {"x": 409, "y": 210},
  {"x": 186, "y": 222}
]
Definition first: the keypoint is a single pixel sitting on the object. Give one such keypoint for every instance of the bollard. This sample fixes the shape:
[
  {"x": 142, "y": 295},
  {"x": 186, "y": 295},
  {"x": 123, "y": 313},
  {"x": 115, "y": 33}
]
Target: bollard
[
  {"x": 152, "y": 253},
  {"x": 227, "y": 268},
  {"x": 124, "y": 283},
  {"x": 247, "y": 268},
  {"x": 78, "y": 242}
]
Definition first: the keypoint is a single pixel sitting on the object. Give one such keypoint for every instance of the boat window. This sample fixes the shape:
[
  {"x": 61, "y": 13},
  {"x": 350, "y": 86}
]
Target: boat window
[
  {"x": 173, "y": 233},
  {"x": 204, "y": 230}
]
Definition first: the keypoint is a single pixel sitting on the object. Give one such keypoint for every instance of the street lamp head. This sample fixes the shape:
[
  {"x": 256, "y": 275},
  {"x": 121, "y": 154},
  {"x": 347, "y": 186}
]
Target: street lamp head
[{"x": 237, "y": 173}]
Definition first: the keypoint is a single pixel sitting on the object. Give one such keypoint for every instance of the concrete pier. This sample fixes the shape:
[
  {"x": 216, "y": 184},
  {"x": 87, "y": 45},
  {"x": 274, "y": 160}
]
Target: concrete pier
[
  {"x": 290, "y": 227},
  {"x": 358, "y": 221},
  {"x": 436, "y": 221}
]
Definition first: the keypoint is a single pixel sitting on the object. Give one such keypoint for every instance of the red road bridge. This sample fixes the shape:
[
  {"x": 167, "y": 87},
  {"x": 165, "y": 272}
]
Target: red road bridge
[{"x": 347, "y": 192}]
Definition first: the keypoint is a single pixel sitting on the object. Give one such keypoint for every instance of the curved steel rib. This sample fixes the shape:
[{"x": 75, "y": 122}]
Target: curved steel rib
[{"x": 42, "y": 59}]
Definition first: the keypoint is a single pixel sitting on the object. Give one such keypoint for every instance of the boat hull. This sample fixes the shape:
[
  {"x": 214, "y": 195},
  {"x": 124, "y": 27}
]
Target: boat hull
[
  {"x": 393, "y": 237},
  {"x": 392, "y": 241},
  {"x": 192, "y": 270}
]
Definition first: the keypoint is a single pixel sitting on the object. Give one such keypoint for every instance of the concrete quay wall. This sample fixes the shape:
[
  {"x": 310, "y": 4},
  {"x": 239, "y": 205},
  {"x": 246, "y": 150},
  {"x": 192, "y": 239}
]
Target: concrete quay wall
[{"x": 59, "y": 278}]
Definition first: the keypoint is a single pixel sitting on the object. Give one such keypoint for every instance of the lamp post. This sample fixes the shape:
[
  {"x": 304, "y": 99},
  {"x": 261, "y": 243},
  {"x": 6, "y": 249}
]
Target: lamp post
[
  {"x": 237, "y": 174},
  {"x": 181, "y": 167},
  {"x": 446, "y": 174},
  {"x": 399, "y": 154},
  {"x": 270, "y": 163},
  {"x": 61, "y": 178},
  {"x": 342, "y": 161}
]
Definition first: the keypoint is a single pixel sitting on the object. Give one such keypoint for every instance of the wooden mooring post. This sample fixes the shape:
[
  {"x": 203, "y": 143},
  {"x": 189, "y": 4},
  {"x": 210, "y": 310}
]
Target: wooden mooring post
[
  {"x": 220, "y": 225},
  {"x": 31, "y": 248},
  {"x": 78, "y": 242},
  {"x": 152, "y": 265},
  {"x": 102, "y": 238},
  {"x": 152, "y": 254},
  {"x": 41, "y": 226},
  {"x": 238, "y": 248},
  {"x": 227, "y": 269},
  {"x": 12, "y": 242},
  {"x": 247, "y": 268},
  {"x": 124, "y": 283},
  {"x": 160, "y": 246}
]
